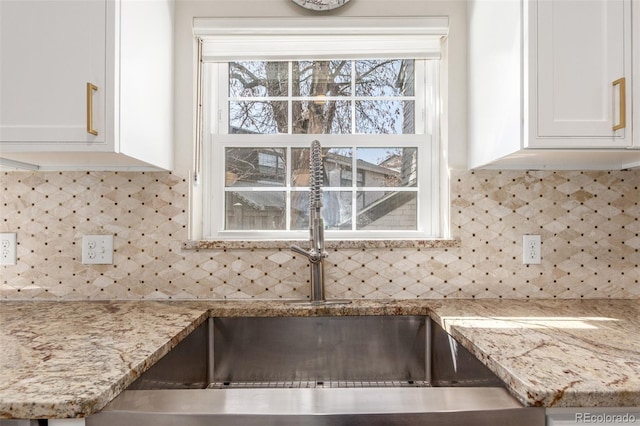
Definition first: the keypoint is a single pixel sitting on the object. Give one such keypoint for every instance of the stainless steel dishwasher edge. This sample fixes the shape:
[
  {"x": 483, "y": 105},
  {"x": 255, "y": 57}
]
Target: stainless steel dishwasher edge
[{"x": 359, "y": 370}]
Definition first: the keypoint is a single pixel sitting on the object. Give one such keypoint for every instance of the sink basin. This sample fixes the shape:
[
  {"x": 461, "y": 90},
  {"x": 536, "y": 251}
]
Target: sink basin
[
  {"x": 317, "y": 351},
  {"x": 318, "y": 370}
]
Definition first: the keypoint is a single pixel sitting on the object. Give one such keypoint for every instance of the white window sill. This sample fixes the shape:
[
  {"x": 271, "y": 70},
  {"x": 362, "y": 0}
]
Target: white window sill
[{"x": 329, "y": 244}]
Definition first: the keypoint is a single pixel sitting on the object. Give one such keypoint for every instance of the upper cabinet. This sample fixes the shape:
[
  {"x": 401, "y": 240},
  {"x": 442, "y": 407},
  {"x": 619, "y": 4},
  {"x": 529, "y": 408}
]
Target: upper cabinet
[
  {"x": 551, "y": 84},
  {"x": 49, "y": 52},
  {"x": 581, "y": 58},
  {"x": 86, "y": 84}
]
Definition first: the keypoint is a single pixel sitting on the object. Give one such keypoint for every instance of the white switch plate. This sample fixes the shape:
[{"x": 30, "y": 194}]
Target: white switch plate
[
  {"x": 97, "y": 249},
  {"x": 8, "y": 248},
  {"x": 531, "y": 249}
]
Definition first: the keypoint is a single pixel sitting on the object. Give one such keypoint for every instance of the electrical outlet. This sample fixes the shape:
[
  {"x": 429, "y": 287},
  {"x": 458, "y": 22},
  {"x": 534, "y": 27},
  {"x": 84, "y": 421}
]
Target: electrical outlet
[
  {"x": 531, "y": 249},
  {"x": 8, "y": 248},
  {"x": 97, "y": 249}
]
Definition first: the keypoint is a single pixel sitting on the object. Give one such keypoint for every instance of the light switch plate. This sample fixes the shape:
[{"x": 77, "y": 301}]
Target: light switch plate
[
  {"x": 97, "y": 249},
  {"x": 8, "y": 248}
]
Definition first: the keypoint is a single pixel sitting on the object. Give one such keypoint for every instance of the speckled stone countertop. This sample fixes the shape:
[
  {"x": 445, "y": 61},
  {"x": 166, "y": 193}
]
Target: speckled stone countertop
[{"x": 69, "y": 359}]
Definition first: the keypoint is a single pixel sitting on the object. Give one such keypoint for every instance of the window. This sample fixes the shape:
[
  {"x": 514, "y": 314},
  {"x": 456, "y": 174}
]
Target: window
[{"x": 375, "y": 114}]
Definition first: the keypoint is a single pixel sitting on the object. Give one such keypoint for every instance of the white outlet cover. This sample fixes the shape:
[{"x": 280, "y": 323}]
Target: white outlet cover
[
  {"x": 8, "y": 248},
  {"x": 531, "y": 249},
  {"x": 97, "y": 249}
]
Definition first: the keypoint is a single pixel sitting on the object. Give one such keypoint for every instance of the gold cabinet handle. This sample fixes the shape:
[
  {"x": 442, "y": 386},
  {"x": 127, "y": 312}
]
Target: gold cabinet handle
[
  {"x": 90, "y": 89},
  {"x": 623, "y": 103}
]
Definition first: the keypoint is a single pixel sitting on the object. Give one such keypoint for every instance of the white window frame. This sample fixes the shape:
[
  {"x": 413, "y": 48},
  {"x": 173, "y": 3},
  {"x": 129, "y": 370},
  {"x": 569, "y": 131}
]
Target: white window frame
[{"x": 220, "y": 41}]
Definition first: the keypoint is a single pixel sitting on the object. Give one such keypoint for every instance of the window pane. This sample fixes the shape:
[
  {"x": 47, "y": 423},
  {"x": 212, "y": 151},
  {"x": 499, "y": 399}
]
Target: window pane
[
  {"x": 385, "y": 117},
  {"x": 386, "y": 210},
  {"x": 385, "y": 77},
  {"x": 336, "y": 210},
  {"x": 299, "y": 210},
  {"x": 258, "y": 117},
  {"x": 322, "y": 78},
  {"x": 255, "y": 167},
  {"x": 321, "y": 117},
  {"x": 387, "y": 167},
  {"x": 337, "y": 167},
  {"x": 254, "y": 210},
  {"x": 336, "y": 162},
  {"x": 258, "y": 78},
  {"x": 300, "y": 167}
]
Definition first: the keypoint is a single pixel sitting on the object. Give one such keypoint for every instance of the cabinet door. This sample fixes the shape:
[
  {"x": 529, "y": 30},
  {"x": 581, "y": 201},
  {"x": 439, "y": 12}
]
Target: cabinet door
[
  {"x": 49, "y": 51},
  {"x": 583, "y": 47}
]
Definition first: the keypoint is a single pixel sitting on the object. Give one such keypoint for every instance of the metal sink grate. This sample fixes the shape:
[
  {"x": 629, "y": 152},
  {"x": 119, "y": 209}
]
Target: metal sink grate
[{"x": 319, "y": 384}]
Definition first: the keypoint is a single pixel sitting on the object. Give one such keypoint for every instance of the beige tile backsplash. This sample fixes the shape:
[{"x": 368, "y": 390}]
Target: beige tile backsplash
[{"x": 589, "y": 223}]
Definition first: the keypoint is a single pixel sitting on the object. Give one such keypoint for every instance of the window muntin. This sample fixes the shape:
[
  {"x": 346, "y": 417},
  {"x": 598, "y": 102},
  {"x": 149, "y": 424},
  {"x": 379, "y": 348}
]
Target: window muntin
[{"x": 265, "y": 187}]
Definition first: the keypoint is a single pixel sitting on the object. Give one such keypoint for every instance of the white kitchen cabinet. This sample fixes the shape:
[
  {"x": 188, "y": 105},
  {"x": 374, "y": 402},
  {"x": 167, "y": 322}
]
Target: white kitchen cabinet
[
  {"x": 44, "y": 81},
  {"x": 550, "y": 84},
  {"x": 578, "y": 50},
  {"x": 86, "y": 84}
]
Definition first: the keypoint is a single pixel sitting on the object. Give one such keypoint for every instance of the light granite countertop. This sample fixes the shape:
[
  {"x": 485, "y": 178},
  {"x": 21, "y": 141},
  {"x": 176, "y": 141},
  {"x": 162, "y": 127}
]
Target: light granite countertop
[{"x": 69, "y": 359}]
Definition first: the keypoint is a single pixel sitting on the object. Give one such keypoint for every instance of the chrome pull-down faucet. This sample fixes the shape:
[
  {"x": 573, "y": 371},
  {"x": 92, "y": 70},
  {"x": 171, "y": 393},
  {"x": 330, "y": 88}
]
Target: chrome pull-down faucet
[{"x": 316, "y": 253}]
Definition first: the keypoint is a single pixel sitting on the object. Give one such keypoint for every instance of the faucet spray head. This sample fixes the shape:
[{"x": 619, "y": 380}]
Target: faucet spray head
[{"x": 316, "y": 176}]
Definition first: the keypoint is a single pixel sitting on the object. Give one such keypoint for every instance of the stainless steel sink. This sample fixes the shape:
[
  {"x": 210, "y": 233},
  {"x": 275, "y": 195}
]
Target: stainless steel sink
[{"x": 354, "y": 370}]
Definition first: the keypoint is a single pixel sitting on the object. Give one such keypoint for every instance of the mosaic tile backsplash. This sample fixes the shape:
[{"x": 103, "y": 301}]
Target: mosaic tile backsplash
[{"x": 589, "y": 223}]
